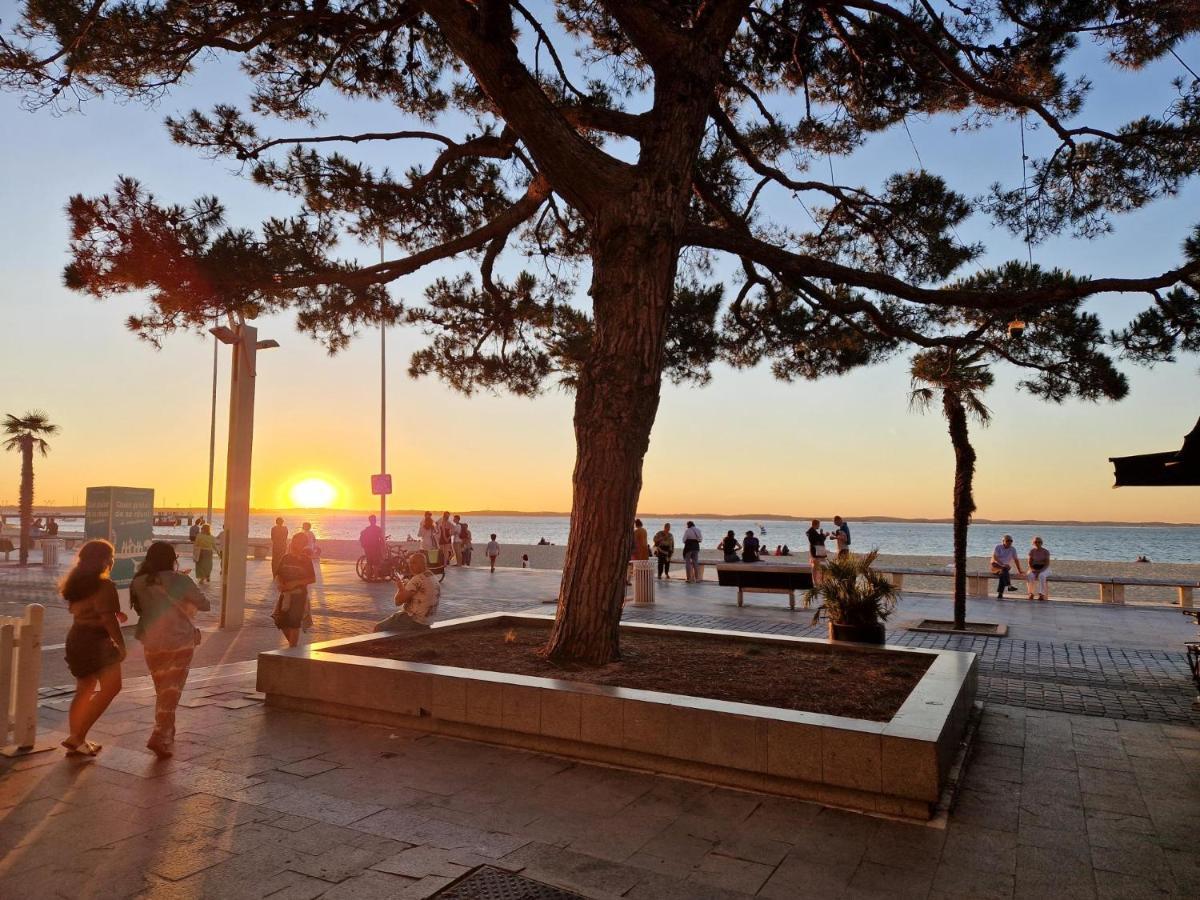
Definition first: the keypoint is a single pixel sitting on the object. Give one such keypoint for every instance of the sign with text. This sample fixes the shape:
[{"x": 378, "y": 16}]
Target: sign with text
[
  {"x": 123, "y": 516},
  {"x": 381, "y": 484}
]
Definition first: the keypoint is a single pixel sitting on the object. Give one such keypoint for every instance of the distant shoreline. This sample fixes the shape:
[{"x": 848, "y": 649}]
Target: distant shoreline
[{"x": 11, "y": 513}]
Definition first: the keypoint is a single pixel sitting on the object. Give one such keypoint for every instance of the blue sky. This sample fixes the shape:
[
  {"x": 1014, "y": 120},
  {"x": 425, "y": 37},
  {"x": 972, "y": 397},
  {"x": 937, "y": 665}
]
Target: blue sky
[{"x": 746, "y": 442}]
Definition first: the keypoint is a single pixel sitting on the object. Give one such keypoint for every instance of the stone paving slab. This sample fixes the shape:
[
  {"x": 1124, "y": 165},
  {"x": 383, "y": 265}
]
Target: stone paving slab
[{"x": 1051, "y": 805}]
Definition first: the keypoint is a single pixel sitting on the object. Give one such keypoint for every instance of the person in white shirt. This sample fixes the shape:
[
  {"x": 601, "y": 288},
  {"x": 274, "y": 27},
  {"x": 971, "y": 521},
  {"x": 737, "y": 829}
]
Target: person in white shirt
[
  {"x": 691, "y": 552},
  {"x": 493, "y": 550},
  {"x": 427, "y": 532},
  {"x": 1004, "y": 557},
  {"x": 417, "y": 596}
]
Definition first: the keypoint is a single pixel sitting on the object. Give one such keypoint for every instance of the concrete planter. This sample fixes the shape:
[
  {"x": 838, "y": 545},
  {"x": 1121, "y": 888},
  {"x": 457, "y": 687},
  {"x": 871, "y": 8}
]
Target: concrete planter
[{"x": 897, "y": 767}]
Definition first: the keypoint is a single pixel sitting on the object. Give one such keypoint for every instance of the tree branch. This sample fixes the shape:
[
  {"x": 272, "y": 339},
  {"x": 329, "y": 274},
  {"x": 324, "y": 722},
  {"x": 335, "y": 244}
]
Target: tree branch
[{"x": 785, "y": 262}]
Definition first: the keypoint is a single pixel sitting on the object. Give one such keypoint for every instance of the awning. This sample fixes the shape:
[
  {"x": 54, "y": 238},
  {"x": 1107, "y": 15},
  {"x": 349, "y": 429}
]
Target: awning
[{"x": 1178, "y": 468}]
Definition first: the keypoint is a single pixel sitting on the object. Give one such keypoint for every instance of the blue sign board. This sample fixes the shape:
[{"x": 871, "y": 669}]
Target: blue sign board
[{"x": 124, "y": 517}]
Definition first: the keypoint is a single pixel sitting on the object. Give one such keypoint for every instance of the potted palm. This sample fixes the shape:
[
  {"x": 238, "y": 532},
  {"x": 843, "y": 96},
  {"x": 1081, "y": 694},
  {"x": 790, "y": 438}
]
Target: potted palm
[{"x": 854, "y": 598}]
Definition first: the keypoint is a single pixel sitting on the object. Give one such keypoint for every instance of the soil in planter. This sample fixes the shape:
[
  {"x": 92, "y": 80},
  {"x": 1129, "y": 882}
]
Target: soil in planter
[{"x": 862, "y": 684}]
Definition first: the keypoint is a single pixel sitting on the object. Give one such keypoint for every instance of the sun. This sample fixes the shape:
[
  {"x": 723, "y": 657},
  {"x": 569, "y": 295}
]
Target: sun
[{"x": 313, "y": 493}]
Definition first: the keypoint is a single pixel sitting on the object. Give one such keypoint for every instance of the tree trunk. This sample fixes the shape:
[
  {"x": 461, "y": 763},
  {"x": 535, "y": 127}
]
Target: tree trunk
[
  {"x": 964, "y": 500},
  {"x": 633, "y": 263},
  {"x": 25, "y": 499}
]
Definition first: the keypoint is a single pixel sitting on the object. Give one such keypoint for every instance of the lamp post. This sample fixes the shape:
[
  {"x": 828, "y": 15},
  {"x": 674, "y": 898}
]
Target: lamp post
[{"x": 244, "y": 345}]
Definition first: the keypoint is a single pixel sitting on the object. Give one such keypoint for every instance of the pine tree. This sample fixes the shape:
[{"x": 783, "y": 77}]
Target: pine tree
[{"x": 666, "y": 145}]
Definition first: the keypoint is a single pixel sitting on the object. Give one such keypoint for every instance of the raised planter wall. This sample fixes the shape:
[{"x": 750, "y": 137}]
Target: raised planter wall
[{"x": 897, "y": 767}]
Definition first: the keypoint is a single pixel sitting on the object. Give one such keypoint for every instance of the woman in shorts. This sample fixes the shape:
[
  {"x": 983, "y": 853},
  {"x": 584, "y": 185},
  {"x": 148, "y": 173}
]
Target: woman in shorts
[{"x": 95, "y": 646}]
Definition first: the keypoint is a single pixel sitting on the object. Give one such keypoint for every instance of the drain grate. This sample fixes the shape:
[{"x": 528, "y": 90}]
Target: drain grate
[{"x": 486, "y": 883}]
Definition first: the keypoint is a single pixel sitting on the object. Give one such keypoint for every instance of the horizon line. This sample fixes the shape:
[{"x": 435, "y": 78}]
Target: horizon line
[{"x": 760, "y": 516}]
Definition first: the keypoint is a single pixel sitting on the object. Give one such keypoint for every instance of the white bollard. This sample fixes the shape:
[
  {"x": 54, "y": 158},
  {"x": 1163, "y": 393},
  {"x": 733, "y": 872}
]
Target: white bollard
[
  {"x": 643, "y": 581},
  {"x": 20, "y": 674}
]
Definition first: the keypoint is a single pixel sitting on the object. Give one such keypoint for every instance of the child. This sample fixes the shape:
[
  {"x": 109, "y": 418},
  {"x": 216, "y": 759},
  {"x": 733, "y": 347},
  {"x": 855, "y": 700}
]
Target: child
[
  {"x": 524, "y": 560},
  {"x": 493, "y": 550}
]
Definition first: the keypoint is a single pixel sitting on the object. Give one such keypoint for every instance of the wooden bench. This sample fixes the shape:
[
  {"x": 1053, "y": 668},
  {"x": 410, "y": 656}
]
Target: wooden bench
[
  {"x": 1112, "y": 589},
  {"x": 764, "y": 578}
]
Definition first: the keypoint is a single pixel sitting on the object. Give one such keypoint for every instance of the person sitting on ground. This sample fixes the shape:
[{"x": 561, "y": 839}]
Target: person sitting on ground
[
  {"x": 729, "y": 546},
  {"x": 1039, "y": 569},
  {"x": 417, "y": 596},
  {"x": 786, "y": 551},
  {"x": 750, "y": 547},
  {"x": 1004, "y": 557}
]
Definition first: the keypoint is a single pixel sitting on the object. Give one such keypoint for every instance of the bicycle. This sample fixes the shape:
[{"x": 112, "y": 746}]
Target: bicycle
[{"x": 395, "y": 565}]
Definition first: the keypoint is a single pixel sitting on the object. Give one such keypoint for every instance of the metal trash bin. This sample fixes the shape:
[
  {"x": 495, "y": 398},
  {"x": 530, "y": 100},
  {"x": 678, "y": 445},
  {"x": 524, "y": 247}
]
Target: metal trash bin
[
  {"x": 50, "y": 552},
  {"x": 643, "y": 580}
]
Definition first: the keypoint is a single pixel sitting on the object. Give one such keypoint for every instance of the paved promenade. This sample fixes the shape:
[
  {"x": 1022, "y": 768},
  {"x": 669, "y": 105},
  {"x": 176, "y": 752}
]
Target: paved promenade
[{"x": 1084, "y": 780}]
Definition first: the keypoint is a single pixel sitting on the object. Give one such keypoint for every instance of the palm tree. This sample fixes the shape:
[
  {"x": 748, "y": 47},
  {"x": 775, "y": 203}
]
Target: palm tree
[
  {"x": 961, "y": 379},
  {"x": 25, "y": 434}
]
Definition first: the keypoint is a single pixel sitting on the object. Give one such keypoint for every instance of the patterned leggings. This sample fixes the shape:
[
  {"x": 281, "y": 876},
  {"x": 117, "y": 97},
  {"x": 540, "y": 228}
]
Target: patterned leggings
[{"x": 169, "y": 669}]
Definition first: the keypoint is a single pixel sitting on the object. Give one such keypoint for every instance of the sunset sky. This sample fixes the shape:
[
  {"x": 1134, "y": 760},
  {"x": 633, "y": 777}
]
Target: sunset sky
[{"x": 135, "y": 416}]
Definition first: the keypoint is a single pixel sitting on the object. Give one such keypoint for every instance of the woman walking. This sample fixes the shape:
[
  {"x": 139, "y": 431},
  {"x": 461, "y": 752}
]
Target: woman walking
[
  {"x": 95, "y": 646},
  {"x": 294, "y": 576},
  {"x": 166, "y": 602},
  {"x": 203, "y": 549}
]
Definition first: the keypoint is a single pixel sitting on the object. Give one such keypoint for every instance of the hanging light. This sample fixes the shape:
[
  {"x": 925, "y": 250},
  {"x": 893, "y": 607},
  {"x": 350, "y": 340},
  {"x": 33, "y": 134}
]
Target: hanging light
[{"x": 1016, "y": 328}]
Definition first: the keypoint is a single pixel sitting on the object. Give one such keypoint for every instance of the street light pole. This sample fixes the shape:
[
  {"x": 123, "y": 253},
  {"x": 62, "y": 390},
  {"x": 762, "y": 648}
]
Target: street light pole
[
  {"x": 382, "y": 410},
  {"x": 212, "y": 432},
  {"x": 244, "y": 345}
]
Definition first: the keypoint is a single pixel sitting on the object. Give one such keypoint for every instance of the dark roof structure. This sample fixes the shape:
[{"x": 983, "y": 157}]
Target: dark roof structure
[{"x": 1177, "y": 468}]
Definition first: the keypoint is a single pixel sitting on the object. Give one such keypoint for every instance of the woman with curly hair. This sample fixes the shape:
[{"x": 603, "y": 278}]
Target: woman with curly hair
[{"x": 95, "y": 646}]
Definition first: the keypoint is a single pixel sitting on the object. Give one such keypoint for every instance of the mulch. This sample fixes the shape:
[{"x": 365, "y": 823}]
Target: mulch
[{"x": 819, "y": 678}]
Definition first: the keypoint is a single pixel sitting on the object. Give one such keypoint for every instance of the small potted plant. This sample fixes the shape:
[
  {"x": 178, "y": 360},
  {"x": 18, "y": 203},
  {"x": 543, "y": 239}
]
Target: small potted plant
[{"x": 854, "y": 598}]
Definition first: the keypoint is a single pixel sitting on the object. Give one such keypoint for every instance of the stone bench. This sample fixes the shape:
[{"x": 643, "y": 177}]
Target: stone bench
[
  {"x": 764, "y": 578},
  {"x": 1112, "y": 589}
]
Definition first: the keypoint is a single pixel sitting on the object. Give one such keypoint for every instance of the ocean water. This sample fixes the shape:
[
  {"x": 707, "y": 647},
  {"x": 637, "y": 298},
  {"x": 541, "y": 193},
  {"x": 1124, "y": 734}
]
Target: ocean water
[{"x": 1086, "y": 542}]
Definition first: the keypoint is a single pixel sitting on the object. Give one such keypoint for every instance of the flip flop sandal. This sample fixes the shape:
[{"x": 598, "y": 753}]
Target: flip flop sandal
[{"x": 83, "y": 748}]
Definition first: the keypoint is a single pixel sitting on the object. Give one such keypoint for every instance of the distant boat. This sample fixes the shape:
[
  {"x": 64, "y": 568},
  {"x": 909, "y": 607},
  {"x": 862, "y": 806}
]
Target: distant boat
[
  {"x": 762, "y": 529},
  {"x": 167, "y": 521}
]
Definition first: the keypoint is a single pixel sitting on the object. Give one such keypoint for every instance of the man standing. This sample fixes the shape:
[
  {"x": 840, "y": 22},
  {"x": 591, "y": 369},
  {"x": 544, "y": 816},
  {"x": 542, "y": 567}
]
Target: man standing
[
  {"x": 664, "y": 549},
  {"x": 1004, "y": 557},
  {"x": 371, "y": 541},
  {"x": 841, "y": 534},
  {"x": 279, "y": 544},
  {"x": 194, "y": 531},
  {"x": 417, "y": 596},
  {"x": 691, "y": 552}
]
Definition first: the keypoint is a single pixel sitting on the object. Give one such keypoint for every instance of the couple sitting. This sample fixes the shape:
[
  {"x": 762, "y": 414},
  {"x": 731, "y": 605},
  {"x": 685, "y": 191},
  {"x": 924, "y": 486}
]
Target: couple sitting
[{"x": 1005, "y": 557}]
